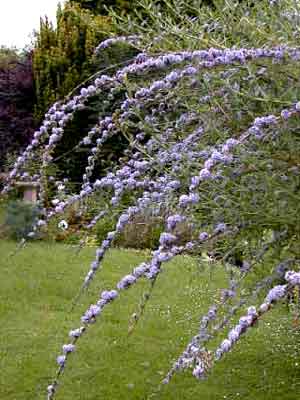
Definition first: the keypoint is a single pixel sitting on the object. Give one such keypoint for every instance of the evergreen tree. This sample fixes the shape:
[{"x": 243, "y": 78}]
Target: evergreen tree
[{"x": 62, "y": 55}]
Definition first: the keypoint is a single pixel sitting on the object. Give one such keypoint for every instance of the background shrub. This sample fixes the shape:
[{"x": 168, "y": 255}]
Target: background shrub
[{"x": 20, "y": 218}]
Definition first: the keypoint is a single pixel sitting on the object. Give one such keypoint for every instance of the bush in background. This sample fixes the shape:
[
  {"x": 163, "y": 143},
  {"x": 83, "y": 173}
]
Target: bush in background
[{"x": 19, "y": 218}]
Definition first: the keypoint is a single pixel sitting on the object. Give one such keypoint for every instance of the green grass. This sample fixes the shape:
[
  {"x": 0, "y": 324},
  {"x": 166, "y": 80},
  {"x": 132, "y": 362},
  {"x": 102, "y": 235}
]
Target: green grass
[{"x": 37, "y": 287}]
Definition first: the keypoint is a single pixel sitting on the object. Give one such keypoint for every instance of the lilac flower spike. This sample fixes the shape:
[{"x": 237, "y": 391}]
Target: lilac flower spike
[
  {"x": 108, "y": 296},
  {"x": 293, "y": 278},
  {"x": 173, "y": 220},
  {"x": 76, "y": 333},
  {"x": 68, "y": 348},
  {"x": 221, "y": 227},
  {"x": 274, "y": 295},
  {"x": 126, "y": 282},
  {"x": 118, "y": 39},
  {"x": 205, "y": 174},
  {"x": 61, "y": 360}
]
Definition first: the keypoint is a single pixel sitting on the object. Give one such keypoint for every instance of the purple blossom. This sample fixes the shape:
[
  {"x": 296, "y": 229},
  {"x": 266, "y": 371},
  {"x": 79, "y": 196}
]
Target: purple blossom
[
  {"x": 264, "y": 307},
  {"x": 231, "y": 143},
  {"x": 83, "y": 92},
  {"x": 220, "y": 228},
  {"x": 195, "y": 181},
  {"x": 203, "y": 236},
  {"x": 153, "y": 271},
  {"x": 68, "y": 348},
  {"x": 217, "y": 156},
  {"x": 234, "y": 335},
  {"x": 246, "y": 321},
  {"x": 76, "y": 333},
  {"x": 109, "y": 295},
  {"x": 276, "y": 293},
  {"x": 194, "y": 198},
  {"x": 189, "y": 246},
  {"x": 184, "y": 200},
  {"x": 90, "y": 314},
  {"x": 212, "y": 313},
  {"x": 173, "y": 220},
  {"x": 126, "y": 282},
  {"x": 226, "y": 345},
  {"x": 199, "y": 372},
  {"x": 140, "y": 270},
  {"x": 164, "y": 256},
  {"x": 94, "y": 265},
  {"x": 190, "y": 71},
  {"x": 252, "y": 311},
  {"x": 166, "y": 239},
  {"x": 219, "y": 353},
  {"x": 174, "y": 184},
  {"x": 293, "y": 277},
  {"x": 61, "y": 360},
  {"x": 111, "y": 235},
  {"x": 285, "y": 114},
  {"x": 172, "y": 76},
  {"x": 118, "y": 39},
  {"x": 226, "y": 294},
  {"x": 204, "y": 174},
  {"x": 265, "y": 121},
  {"x": 255, "y": 130}
]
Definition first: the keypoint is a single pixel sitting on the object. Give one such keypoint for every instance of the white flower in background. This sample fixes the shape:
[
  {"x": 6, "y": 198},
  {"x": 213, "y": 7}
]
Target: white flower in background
[
  {"x": 61, "y": 187},
  {"x": 63, "y": 225}
]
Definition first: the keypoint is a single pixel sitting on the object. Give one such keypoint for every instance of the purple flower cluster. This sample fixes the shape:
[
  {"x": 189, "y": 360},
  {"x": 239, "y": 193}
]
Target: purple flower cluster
[
  {"x": 174, "y": 220},
  {"x": 166, "y": 239},
  {"x": 293, "y": 278},
  {"x": 192, "y": 355},
  {"x": 104, "y": 131},
  {"x": 233, "y": 336},
  {"x": 126, "y": 282},
  {"x": 275, "y": 294}
]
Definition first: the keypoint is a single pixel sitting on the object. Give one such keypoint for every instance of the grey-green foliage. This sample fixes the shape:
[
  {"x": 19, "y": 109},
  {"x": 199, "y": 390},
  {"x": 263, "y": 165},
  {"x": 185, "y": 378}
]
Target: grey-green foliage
[
  {"x": 20, "y": 218},
  {"x": 193, "y": 24}
]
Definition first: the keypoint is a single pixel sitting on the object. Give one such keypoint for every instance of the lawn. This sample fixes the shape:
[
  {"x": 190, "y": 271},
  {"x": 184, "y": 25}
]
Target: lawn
[{"x": 37, "y": 288}]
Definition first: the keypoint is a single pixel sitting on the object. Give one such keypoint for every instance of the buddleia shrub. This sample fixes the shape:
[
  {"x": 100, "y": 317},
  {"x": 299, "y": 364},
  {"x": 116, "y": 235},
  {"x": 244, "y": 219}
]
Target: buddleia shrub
[{"x": 209, "y": 110}]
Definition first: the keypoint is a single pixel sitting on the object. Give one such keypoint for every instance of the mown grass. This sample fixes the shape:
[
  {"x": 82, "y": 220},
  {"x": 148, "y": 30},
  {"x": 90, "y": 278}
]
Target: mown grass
[{"x": 37, "y": 288}]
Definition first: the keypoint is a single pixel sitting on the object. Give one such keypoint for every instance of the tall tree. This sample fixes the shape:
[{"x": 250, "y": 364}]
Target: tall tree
[
  {"x": 62, "y": 55},
  {"x": 17, "y": 98}
]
